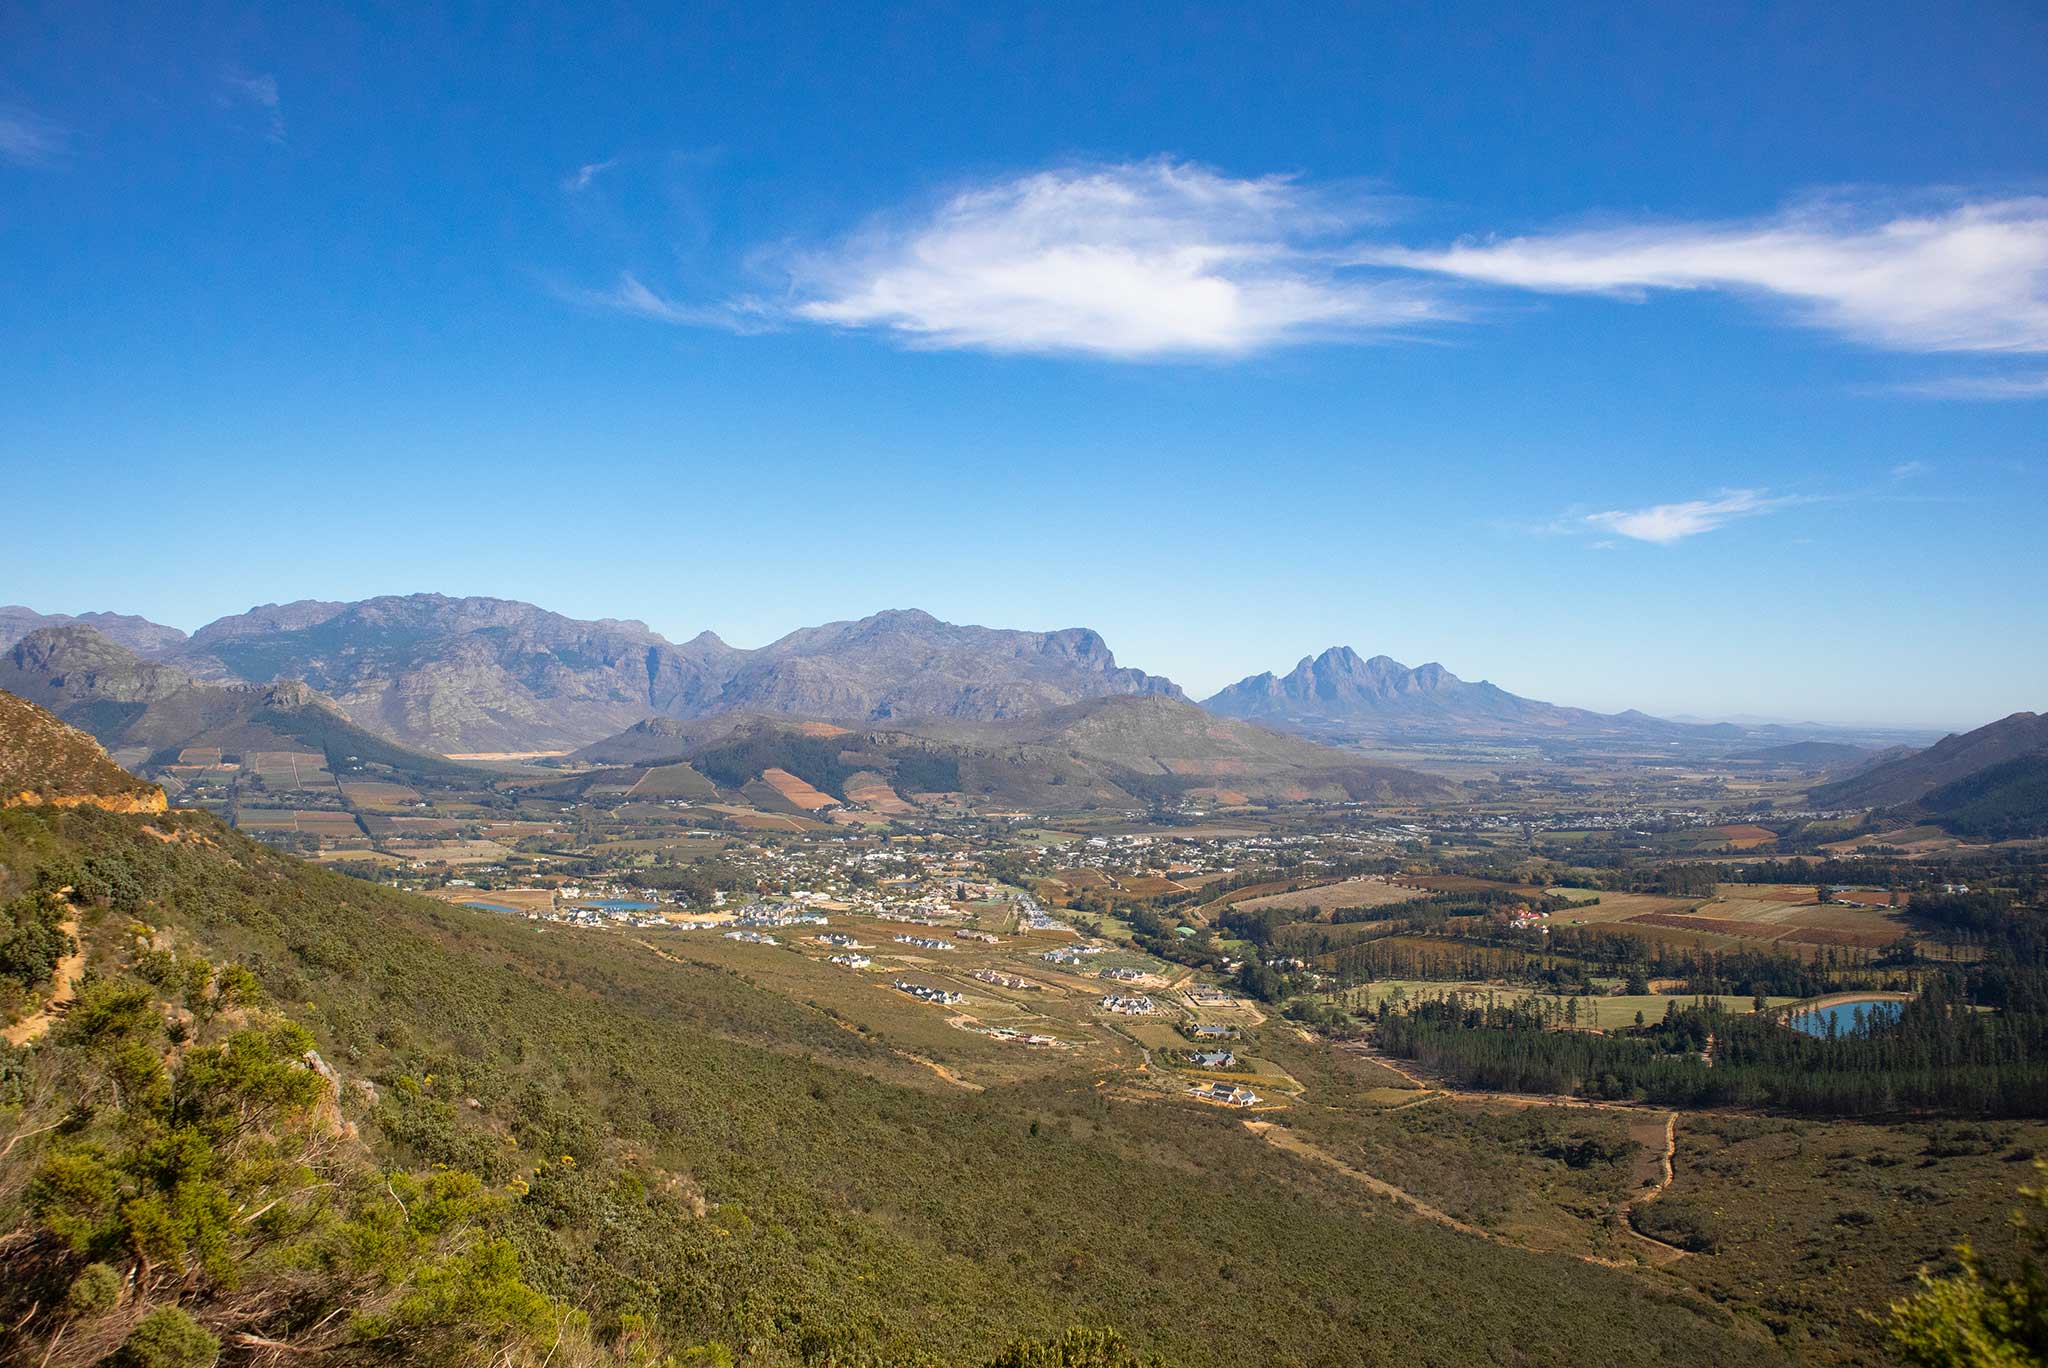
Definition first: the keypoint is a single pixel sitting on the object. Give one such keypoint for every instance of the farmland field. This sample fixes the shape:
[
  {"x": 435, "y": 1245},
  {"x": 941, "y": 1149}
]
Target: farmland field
[
  {"x": 673, "y": 781},
  {"x": 377, "y": 794},
  {"x": 1364, "y": 892},
  {"x": 797, "y": 792}
]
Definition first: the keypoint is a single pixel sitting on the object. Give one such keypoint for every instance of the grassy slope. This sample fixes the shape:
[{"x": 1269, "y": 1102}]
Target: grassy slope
[{"x": 849, "y": 1206}]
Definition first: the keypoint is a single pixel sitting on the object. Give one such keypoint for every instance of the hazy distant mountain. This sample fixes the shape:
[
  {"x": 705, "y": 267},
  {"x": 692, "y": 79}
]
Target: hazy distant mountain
[
  {"x": 1340, "y": 693},
  {"x": 480, "y": 674},
  {"x": 1812, "y": 756},
  {"x": 136, "y": 633},
  {"x": 86, "y": 678},
  {"x": 1104, "y": 752},
  {"x": 152, "y": 709},
  {"x": 472, "y": 674},
  {"x": 1913, "y": 777}
]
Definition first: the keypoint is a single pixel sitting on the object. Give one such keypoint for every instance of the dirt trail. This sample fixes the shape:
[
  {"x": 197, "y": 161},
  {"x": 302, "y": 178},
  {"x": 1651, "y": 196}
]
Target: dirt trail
[
  {"x": 63, "y": 988},
  {"x": 1643, "y": 1126},
  {"x": 1658, "y": 1253},
  {"x": 1282, "y": 1138}
]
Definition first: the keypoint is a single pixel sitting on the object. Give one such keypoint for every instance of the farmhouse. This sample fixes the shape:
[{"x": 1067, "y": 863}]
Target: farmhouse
[{"x": 1229, "y": 1094}]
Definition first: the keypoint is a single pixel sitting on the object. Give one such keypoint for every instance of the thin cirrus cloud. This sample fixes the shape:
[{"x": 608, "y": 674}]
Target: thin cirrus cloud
[
  {"x": 1966, "y": 277},
  {"x": 28, "y": 139},
  {"x": 259, "y": 94},
  {"x": 1665, "y": 524},
  {"x": 580, "y": 179},
  {"x": 1977, "y": 387}
]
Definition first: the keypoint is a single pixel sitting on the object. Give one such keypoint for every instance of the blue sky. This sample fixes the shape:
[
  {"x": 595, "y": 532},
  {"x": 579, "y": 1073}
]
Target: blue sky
[{"x": 1625, "y": 356}]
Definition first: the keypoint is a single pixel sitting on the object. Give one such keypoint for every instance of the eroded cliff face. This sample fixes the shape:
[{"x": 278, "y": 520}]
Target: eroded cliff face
[{"x": 143, "y": 800}]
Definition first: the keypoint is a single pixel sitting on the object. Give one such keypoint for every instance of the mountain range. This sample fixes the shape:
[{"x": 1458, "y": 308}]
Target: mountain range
[
  {"x": 478, "y": 674},
  {"x": 467, "y": 676}
]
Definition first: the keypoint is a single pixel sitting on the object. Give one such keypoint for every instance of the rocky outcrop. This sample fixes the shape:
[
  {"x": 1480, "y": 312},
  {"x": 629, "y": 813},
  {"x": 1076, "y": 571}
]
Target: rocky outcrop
[{"x": 146, "y": 798}]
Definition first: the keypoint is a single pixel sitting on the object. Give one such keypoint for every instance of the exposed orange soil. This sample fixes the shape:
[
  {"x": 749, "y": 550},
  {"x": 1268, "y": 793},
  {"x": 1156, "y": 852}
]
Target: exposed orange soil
[{"x": 797, "y": 791}]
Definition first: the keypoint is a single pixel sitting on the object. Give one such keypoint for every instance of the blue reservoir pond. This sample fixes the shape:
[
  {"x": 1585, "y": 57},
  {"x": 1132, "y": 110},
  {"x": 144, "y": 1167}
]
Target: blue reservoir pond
[
  {"x": 617, "y": 905},
  {"x": 492, "y": 907},
  {"x": 1843, "y": 1015}
]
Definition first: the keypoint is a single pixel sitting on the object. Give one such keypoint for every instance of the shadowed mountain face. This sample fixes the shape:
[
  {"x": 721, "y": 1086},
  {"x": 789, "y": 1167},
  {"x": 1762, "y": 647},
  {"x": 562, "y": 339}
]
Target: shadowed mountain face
[
  {"x": 1340, "y": 693},
  {"x": 138, "y": 634},
  {"x": 480, "y": 674},
  {"x": 1915, "y": 776}
]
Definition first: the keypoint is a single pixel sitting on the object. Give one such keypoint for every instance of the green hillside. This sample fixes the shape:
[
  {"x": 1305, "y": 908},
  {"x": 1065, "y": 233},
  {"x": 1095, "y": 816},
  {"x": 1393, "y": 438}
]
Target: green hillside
[
  {"x": 2004, "y": 802},
  {"x": 664, "y": 1157}
]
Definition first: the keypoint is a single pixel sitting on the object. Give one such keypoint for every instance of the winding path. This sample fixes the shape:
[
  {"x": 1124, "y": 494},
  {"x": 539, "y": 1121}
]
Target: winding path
[
  {"x": 64, "y": 987},
  {"x": 1655, "y": 1251}
]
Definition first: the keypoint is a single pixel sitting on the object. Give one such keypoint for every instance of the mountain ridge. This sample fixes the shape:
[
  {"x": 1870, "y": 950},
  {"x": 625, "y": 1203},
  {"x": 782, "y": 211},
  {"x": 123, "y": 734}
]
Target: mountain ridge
[
  {"x": 1342, "y": 693},
  {"x": 482, "y": 674},
  {"x": 1910, "y": 778}
]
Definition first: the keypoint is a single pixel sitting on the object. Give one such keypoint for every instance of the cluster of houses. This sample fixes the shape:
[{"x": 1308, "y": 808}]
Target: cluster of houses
[
  {"x": 1123, "y": 975},
  {"x": 752, "y": 937},
  {"x": 771, "y": 914},
  {"x": 1206, "y": 1031},
  {"x": 1032, "y": 917},
  {"x": 1070, "y": 954},
  {"x": 924, "y": 942},
  {"x": 1213, "y": 1059},
  {"x": 851, "y": 961},
  {"x": 841, "y": 939},
  {"x": 926, "y": 994},
  {"x": 1135, "y": 1005},
  {"x": 1003, "y": 980},
  {"x": 984, "y": 937}
]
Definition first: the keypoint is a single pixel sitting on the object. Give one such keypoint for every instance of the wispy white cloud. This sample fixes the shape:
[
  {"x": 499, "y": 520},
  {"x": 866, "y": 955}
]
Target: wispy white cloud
[
  {"x": 260, "y": 94},
  {"x": 1970, "y": 276},
  {"x": 28, "y": 139},
  {"x": 1977, "y": 387},
  {"x": 579, "y": 180},
  {"x": 1130, "y": 261},
  {"x": 1673, "y": 522},
  {"x": 1910, "y": 470},
  {"x": 631, "y": 296}
]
